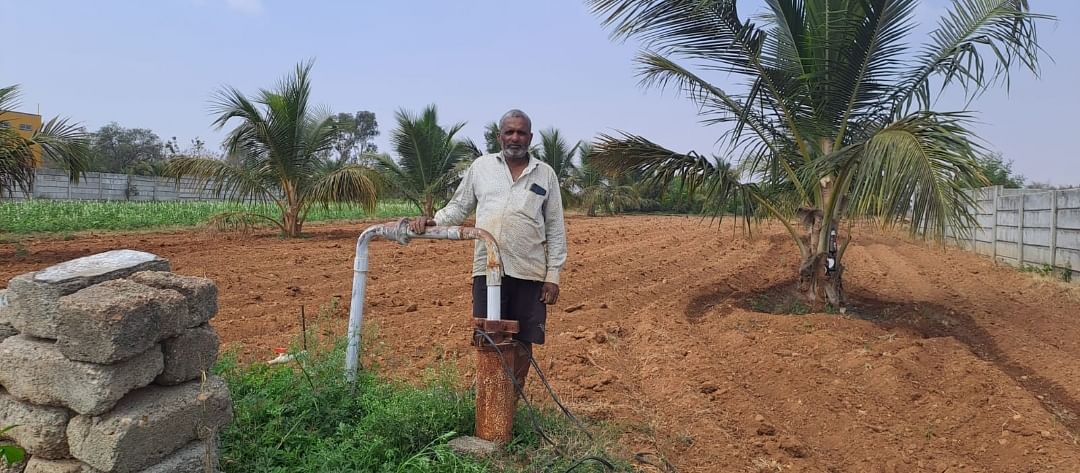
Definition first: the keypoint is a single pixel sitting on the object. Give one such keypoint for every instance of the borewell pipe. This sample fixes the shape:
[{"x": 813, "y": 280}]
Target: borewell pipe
[{"x": 399, "y": 232}]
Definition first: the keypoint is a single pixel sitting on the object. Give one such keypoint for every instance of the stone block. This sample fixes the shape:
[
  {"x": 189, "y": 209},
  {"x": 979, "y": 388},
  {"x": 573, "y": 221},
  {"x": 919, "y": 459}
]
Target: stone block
[
  {"x": 200, "y": 294},
  {"x": 6, "y": 329},
  {"x": 193, "y": 457},
  {"x": 36, "y": 371},
  {"x": 474, "y": 446},
  {"x": 150, "y": 424},
  {"x": 40, "y": 430},
  {"x": 35, "y": 296},
  {"x": 188, "y": 355},
  {"x": 41, "y": 465},
  {"x": 114, "y": 320}
]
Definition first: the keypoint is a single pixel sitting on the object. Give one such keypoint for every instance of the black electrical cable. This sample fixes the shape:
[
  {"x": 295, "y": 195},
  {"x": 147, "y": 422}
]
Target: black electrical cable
[
  {"x": 640, "y": 457},
  {"x": 580, "y": 425},
  {"x": 643, "y": 457},
  {"x": 532, "y": 409},
  {"x": 558, "y": 402},
  {"x": 588, "y": 459}
]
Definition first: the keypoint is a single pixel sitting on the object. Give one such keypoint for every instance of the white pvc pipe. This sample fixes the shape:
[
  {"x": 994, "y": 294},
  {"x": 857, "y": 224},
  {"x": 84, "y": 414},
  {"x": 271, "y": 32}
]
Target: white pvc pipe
[
  {"x": 356, "y": 306},
  {"x": 494, "y": 299},
  {"x": 400, "y": 232}
]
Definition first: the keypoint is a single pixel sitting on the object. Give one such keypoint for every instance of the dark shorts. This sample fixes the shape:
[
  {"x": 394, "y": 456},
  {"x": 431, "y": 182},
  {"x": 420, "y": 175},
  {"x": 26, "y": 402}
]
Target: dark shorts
[{"x": 520, "y": 302}]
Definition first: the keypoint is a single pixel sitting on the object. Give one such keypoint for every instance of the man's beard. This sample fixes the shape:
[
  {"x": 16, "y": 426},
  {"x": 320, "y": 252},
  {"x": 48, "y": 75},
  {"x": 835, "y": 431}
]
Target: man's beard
[{"x": 520, "y": 153}]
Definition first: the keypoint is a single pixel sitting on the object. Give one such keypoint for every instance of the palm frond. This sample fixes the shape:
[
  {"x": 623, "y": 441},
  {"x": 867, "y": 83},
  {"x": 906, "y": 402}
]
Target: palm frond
[
  {"x": 353, "y": 184},
  {"x": 610, "y": 199},
  {"x": 711, "y": 36},
  {"x": 473, "y": 149},
  {"x": 555, "y": 151},
  {"x": 241, "y": 183},
  {"x": 241, "y": 222},
  {"x": 917, "y": 168},
  {"x": 9, "y": 98},
  {"x": 975, "y": 45},
  {"x": 59, "y": 140},
  {"x": 660, "y": 166},
  {"x": 428, "y": 156},
  {"x": 658, "y": 71},
  {"x": 397, "y": 177},
  {"x": 66, "y": 144},
  {"x": 863, "y": 57},
  {"x": 252, "y": 137},
  {"x": 491, "y": 138},
  {"x": 17, "y": 162},
  {"x": 708, "y": 31}
]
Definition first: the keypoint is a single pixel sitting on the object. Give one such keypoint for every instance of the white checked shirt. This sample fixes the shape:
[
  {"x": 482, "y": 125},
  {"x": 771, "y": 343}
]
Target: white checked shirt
[{"x": 524, "y": 216}]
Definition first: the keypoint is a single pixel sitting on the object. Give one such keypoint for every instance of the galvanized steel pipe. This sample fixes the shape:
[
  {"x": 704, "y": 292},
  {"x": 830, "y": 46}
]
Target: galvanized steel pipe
[{"x": 399, "y": 232}]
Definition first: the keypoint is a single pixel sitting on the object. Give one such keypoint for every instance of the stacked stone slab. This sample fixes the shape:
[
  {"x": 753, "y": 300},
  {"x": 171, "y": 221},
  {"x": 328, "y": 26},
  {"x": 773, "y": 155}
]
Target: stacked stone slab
[{"x": 104, "y": 367}]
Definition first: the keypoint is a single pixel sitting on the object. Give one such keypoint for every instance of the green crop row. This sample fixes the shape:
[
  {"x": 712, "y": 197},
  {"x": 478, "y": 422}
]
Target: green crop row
[{"x": 68, "y": 216}]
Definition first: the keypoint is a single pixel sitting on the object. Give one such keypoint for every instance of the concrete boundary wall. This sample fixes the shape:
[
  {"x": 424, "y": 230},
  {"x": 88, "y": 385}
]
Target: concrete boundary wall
[
  {"x": 54, "y": 184},
  {"x": 1026, "y": 227}
]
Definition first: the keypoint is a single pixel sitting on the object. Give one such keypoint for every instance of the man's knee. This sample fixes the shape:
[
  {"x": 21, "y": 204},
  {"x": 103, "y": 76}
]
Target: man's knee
[
  {"x": 524, "y": 349},
  {"x": 522, "y": 359}
]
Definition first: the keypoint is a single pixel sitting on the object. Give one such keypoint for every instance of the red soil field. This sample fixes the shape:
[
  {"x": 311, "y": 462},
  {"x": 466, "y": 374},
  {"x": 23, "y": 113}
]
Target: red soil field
[{"x": 944, "y": 362}]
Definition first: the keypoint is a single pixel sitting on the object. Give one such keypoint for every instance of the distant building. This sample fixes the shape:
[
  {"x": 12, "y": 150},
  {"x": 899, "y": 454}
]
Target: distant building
[{"x": 26, "y": 124}]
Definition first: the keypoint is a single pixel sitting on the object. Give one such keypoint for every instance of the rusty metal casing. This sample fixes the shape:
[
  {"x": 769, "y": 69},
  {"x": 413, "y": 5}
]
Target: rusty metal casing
[{"x": 495, "y": 393}]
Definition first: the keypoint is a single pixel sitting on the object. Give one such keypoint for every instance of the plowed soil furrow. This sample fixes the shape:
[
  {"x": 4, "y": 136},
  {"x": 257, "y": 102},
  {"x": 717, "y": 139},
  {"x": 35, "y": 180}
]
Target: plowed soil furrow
[{"x": 944, "y": 362}]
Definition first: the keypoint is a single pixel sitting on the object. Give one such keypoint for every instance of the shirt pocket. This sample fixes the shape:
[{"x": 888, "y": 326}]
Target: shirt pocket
[{"x": 529, "y": 204}]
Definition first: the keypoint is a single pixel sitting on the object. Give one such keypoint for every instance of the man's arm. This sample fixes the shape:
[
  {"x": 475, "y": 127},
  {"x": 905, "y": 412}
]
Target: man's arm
[
  {"x": 456, "y": 211},
  {"x": 555, "y": 233},
  {"x": 461, "y": 205}
]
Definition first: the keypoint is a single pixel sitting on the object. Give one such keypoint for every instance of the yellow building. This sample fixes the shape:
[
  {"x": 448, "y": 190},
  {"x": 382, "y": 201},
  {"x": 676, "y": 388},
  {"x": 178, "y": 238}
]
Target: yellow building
[{"x": 25, "y": 124}]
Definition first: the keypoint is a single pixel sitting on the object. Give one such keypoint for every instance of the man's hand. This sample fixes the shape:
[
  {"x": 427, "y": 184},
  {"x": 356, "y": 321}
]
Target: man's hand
[
  {"x": 418, "y": 225},
  {"x": 549, "y": 294}
]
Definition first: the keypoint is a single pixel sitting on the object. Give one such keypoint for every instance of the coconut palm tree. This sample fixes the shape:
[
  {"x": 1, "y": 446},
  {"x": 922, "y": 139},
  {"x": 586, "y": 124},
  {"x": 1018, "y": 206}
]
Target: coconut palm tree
[
  {"x": 557, "y": 153},
  {"x": 279, "y": 148},
  {"x": 597, "y": 193},
  {"x": 835, "y": 119},
  {"x": 491, "y": 138},
  {"x": 491, "y": 141},
  {"x": 426, "y": 170},
  {"x": 58, "y": 141}
]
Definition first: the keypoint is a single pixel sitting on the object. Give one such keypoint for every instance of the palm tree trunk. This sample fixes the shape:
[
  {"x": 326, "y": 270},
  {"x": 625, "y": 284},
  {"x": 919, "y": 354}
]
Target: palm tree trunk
[
  {"x": 293, "y": 223},
  {"x": 821, "y": 271},
  {"x": 429, "y": 206},
  {"x": 821, "y": 274},
  {"x": 290, "y": 216}
]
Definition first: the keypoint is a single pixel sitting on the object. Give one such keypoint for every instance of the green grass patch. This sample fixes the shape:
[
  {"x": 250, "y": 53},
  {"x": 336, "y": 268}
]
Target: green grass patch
[
  {"x": 39, "y": 216},
  {"x": 781, "y": 303},
  {"x": 303, "y": 417},
  {"x": 1045, "y": 270},
  {"x": 283, "y": 423}
]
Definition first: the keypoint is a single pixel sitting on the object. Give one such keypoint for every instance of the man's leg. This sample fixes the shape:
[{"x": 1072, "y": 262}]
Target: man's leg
[
  {"x": 479, "y": 293},
  {"x": 520, "y": 301},
  {"x": 531, "y": 314},
  {"x": 522, "y": 355}
]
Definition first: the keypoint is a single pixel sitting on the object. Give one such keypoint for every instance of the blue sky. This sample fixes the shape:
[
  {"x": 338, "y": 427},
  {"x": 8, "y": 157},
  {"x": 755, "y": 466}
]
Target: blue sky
[{"x": 155, "y": 64}]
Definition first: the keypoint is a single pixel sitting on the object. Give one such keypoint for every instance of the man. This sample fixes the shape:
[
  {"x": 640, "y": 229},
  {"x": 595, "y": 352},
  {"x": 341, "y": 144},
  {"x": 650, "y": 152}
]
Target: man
[{"x": 517, "y": 200}]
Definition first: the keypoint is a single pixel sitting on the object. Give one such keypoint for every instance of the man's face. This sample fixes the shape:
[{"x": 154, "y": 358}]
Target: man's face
[{"x": 515, "y": 137}]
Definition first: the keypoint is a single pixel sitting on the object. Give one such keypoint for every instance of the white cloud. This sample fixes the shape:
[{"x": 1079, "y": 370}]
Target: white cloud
[{"x": 250, "y": 7}]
